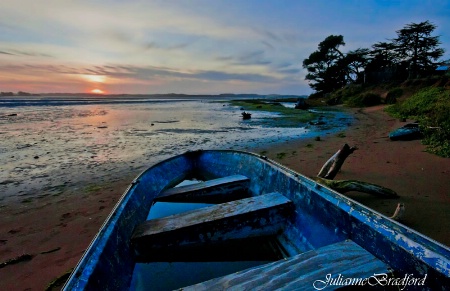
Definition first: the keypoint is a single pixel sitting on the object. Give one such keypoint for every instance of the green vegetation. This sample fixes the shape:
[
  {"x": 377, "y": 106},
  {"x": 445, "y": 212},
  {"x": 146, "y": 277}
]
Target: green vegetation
[
  {"x": 411, "y": 55},
  {"x": 393, "y": 95},
  {"x": 399, "y": 72},
  {"x": 280, "y": 156},
  {"x": 341, "y": 135},
  {"x": 364, "y": 100},
  {"x": 342, "y": 95},
  {"x": 289, "y": 117},
  {"x": 431, "y": 108},
  {"x": 92, "y": 188}
]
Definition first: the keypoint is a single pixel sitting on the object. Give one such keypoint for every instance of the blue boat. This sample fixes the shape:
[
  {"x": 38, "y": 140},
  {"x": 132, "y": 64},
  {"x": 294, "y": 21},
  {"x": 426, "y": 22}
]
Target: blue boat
[
  {"x": 237, "y": 220},
  {"x": 409, "y": 131}
]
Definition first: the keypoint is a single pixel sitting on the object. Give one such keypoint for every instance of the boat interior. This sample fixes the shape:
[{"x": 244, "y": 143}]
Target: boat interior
[{"x": 202, "y": 232}]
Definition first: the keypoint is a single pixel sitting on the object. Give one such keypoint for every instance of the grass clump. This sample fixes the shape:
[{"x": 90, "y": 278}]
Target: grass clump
[
  {"x": 92, "y": 188},
  {"x": 280, "y": 156},
  {"x": 431, "y": 107}
]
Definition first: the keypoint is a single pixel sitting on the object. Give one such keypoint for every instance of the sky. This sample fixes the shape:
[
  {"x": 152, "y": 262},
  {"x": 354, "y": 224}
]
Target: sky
[{"x": 189, "y": 46}]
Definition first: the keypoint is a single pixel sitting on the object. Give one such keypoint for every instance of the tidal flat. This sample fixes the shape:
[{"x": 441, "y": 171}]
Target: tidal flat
[{"x": 48, "y": 148}]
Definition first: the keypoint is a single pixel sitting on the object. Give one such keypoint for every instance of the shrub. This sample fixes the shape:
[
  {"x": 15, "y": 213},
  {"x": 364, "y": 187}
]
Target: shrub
[
  {"x": 364, "y": 100},
  {"x": 420, "y": 103},
  {"x": 343, "y": 95},
  {"x": 431, "y": 107},
  {"x": 392, "y": 95},
  {"x": 315, "y": 95}
]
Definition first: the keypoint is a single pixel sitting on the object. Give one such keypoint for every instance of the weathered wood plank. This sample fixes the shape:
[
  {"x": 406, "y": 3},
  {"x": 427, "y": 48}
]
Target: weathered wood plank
[
  {"x": 249, "y": 217},
  {"x": 303, "y": 271},
  {"x": 213, "y": 191}
]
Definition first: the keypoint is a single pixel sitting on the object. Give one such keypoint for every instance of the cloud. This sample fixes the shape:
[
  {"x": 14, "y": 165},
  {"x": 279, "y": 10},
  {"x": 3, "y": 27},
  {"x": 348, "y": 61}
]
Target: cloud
[
  {"x": 142, "y": 73},
  {"x": 24, "y": 53},
  {"x": 258, "y": 44}
]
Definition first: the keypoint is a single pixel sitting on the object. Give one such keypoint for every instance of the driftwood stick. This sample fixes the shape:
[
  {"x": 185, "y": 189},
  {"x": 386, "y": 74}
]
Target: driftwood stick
[
  {"x": 326, "y": 167},
  {"x": 399, "y": 211},
  {"x": 343, "y": 186},
  {"x": 333, "y": 165}
]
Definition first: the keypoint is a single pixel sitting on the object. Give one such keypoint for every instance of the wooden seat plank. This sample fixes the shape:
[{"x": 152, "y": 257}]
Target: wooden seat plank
[
  {"x": 244, "y": 218},
  {"x": 213, "y": 191},
  {"x": 304, "y": 271}
]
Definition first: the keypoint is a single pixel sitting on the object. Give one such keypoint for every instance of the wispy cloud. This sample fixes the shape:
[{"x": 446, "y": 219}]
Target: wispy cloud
[
  {"x": 6, "y": 53},
  {"x": 24, "y": 53}
]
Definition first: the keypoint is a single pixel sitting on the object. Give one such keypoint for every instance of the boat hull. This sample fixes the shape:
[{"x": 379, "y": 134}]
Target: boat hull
[
  {"x": 407, "y": 132},
  {"x": 322, "y": 217}
]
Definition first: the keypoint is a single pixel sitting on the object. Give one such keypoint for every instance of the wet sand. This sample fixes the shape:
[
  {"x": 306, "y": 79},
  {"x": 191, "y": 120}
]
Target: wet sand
[{"x": 55, "y": 229}]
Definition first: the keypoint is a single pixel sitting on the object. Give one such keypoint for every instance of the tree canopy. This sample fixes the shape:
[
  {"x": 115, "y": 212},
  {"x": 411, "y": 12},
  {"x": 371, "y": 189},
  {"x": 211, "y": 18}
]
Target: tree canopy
[
  {"x": 415, "y": 46},
  {"x": 323, "y": 65},
  {"x": 413, "y": 53}
]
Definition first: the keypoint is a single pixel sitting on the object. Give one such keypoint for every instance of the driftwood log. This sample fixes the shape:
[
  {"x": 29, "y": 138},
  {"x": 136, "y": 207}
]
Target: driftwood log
[
  {"x": 330, "y": 169},
  {"x": 343, "y": 186},
  {"x": 333, "y": 165}
]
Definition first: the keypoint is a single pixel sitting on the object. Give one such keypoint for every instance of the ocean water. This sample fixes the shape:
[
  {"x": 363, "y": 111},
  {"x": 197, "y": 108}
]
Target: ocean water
[{"x": 48, "y": 146}]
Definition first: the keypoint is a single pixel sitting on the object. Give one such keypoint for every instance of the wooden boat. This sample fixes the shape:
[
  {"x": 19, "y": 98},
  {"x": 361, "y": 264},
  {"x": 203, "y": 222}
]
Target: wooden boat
[
  {"x": 409, "y": 131},
  {"x": 252, "y": 225}
]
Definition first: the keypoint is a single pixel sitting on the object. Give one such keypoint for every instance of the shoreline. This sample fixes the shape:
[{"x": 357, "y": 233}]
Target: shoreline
[{"x": 55, "y": 230}]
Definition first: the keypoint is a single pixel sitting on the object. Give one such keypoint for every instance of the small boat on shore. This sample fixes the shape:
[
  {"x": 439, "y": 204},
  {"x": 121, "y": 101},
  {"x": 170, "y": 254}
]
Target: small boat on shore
[
  {"x": 246, "y": 115},
  {"x": 408, "y": 131},
  {"x": 214, "y": 220}
]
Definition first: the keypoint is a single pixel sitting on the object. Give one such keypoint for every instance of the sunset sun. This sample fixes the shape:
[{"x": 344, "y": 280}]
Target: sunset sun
[{"x": 97, "y": 91}]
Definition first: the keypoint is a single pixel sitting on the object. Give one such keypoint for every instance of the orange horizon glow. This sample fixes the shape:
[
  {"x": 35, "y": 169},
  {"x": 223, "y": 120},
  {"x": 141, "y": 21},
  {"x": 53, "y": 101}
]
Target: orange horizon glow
[{"x": 97, "y": 91}]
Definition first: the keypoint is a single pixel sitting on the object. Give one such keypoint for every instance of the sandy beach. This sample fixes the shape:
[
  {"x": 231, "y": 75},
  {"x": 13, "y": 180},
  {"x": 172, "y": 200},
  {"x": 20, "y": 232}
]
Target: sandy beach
[{"x": 54, "y": 230}]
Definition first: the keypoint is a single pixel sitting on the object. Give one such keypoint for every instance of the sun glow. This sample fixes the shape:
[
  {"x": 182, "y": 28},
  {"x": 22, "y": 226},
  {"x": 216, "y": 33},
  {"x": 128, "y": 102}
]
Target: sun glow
[
  {"x": 95, "y": 78},
  {"x": 97, "y": 91}
]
